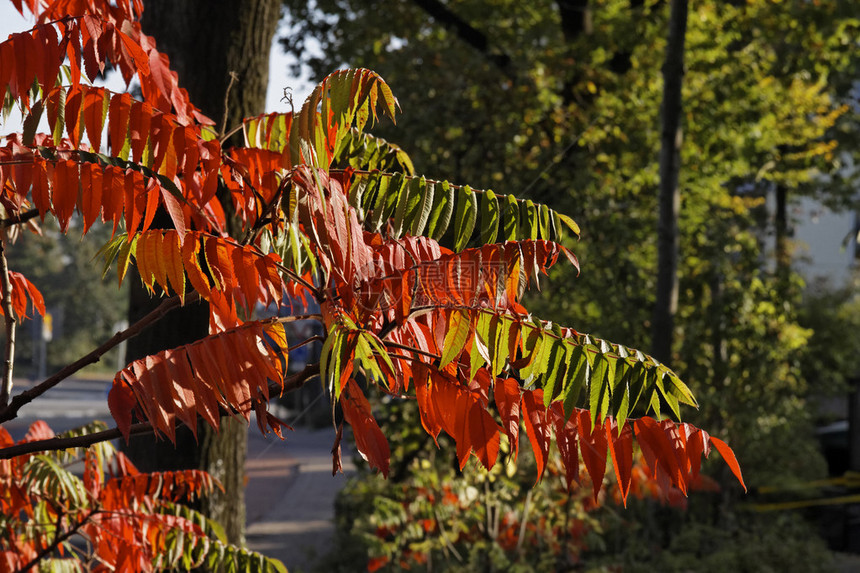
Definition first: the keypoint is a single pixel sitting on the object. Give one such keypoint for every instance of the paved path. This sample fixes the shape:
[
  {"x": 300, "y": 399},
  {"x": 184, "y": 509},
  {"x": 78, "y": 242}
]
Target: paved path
[{"x": 290, "y": 496}]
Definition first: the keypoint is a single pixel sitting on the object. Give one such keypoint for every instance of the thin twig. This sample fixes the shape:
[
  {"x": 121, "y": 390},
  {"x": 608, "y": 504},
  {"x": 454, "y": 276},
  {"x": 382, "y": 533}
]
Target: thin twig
[
  {"x": 411, "y": 349},
  {"x": 57, "y": 541},
  {"x": 290, "y": 273},
  {"x": 297, "y": 380},
  {"x": 85, "y": 441},
  {"x": 314, "y": 338},
  {"x": 9, "y": 356},
  {"x": 291, "y": 383},
  {"x": 18, "y": 219},
  {"x": 526, "y": 508},
  {"x": 11, "y": 411},
  {"x": 444, "y": 533},
  {"x": 295, "y": 317},
  {"x": 230, "y": 133},
  {"x": 234, "y": 77}
]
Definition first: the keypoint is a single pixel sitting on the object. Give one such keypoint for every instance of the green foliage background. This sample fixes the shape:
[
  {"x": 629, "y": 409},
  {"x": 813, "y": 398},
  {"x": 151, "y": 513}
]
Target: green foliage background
[
  {"x": 85, "y": 308},
  {"x": 573, "y": 121}
]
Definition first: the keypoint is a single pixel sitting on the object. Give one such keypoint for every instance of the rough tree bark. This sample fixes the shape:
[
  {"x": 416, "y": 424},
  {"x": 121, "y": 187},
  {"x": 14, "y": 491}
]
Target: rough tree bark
[
  {"x": 207, "y": 41},
  {"x": 666, "y": 305}
]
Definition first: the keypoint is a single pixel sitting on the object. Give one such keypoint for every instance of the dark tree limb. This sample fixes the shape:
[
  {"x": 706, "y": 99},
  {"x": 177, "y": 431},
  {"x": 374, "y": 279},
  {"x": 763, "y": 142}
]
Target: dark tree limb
[
  {"x": 291, "y": 383},
  {"x": 666, "y": 305},
  {"x": 11, "y": 410},
  {"x": 468, "y": 33},
  {"x": 18, "y": 219}
]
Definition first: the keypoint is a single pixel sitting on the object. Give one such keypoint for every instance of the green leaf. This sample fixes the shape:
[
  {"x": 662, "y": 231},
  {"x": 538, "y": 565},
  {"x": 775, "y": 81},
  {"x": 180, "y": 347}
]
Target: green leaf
[
  {"x": 680, "y": 390},
  {"x": 380, "y": 196},
  {"x": 543, "y": 217},
  {"x": 110, "y": 250},
  {"x": 557, "y": 356},
  {"x": 575, "y": 377},
  {"x": 401, "y": 209},
  {"x": 459, "y": 328},
  {"x": 59, "y": 126},
  {"x": 326, "y": 354},
  {"x": 624, "y": 408},
  {"x": 570, "y": 223},
  {"x": 597, "y": 385},
  {"x": 500, "y": 331},
  {"x": 440, "y": 215},
  {"x": 126, "y": 251},
  {"x": 654, "y": 405},
  {"x": 530, "y": 224},
  {"x": 31, "y": 123},
  {"x": 489, "y": 217},
  {"x": 478, "y": 357},
  {"x": 464, "y": 217},
  {"x": 424, "y": 208},
  {"x": 379, "y": 348},
  {"x": 535, "y": 346},
  {"x": 671, "y": 400},
  {"x": 511, "y": 219}
]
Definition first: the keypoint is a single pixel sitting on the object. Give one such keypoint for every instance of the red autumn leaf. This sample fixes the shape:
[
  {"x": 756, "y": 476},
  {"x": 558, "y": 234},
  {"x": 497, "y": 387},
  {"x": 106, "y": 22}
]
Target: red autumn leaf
[
  {"x": 566, "y": 440},
  {"x": 698, "y": 443},
  {"x": 506, "y": 393},
  {"x": 537, "y": 429},
  {"x": 93, "y": 104},
  {"x": 729, "y": 458},
  {"x": 426, "y": 404},
  {"x": 621, "y": 449},
  {"x": 369, "y": 439},
  {"x": 659, "y": 452},
  {"x": 592, "y": 446},
  {"x": 119, "y": 112},
  {"x": 483, "y": 434},
  {"x": 66, "y": 190}
]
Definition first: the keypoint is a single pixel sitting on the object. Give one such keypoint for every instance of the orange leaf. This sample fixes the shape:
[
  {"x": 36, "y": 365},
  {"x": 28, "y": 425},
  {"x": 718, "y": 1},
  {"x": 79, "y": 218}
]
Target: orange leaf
[
  {"x": 149, "y": 199},
  {"x": 658, "y": 451},
  {"x": 621, "y": 449},
  {"x": 698, "y": 443},
  {"x": 191, "y": 263},
  {"x": 246, "y": 275},
  {"x": 156, "y": 259},
  {"x": 118, "y": 116},
  {"x": 172, "y": 256},
  {"x": 369, "y": 439},
  {"x": 729, "y": 458},
  {"x": 91, "y": 201},
  {"x": 534, "y": 416},
  {"x": 41, "y": 191},
  {"x": 134, "y": 186},
  {"x": 140, "y": 116},
  {"x": 94, "y": 101},
  {"x": 142, "y": 260},
  {"x": 592, "y": 445},
  {"x": 73, "y": 115},
  {"x": 113, "y": 195},
  {"x": 483, "y": 434},
  {"x": 506, "y": 393},
  {"x": 426, "y": 404},
  {"x": 565, "y": 439},
  {"x": 66, "y": 189}
]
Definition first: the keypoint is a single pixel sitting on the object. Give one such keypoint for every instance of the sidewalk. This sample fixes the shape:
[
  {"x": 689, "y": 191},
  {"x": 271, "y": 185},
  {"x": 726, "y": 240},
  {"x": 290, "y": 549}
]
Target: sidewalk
[{"x": 290, "y": 495}]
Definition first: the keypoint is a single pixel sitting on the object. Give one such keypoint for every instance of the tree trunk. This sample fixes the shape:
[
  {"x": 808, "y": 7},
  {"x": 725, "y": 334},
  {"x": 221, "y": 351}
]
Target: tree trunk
[
  {"x": 666, "y": 305},
  {"x": 207, "y": 41},
  {"x": 783, "y": 252}
]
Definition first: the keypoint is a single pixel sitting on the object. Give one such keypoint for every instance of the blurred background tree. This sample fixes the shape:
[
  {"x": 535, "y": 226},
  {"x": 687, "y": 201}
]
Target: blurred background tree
[
  {"x": 56, "y": 260},
  {"x": 560, "y": 101}
]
